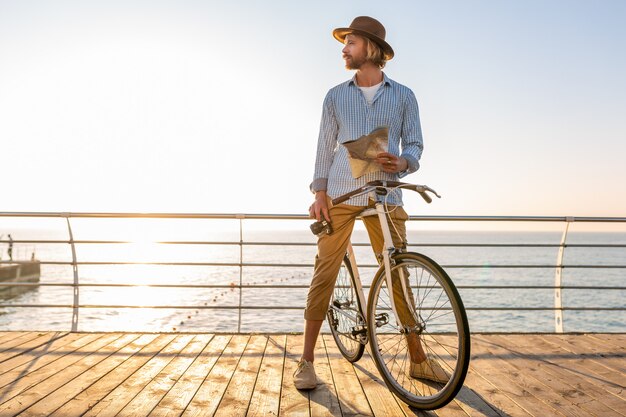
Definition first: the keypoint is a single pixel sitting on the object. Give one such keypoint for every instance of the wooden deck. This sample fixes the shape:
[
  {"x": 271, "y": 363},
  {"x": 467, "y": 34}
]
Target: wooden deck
[{"x": 128, "y": 374}]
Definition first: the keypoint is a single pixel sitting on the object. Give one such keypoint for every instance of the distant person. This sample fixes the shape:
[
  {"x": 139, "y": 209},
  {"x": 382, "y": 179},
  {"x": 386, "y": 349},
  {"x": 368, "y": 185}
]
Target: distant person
[
  {"x": 10, "y": 250},
  {"x": 353, "y": 109}
]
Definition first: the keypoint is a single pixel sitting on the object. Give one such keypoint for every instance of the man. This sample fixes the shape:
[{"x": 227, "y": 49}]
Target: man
[{"x": 353, "y": 109}]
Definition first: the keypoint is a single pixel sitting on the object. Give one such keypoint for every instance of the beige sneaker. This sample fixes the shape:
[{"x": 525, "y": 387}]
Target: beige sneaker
[
  {"x": 304, "y": 377},
  {"x": 429, "y": 369}
]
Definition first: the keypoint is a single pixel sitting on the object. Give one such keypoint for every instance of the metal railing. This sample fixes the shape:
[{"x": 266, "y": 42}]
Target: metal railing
[{"x": 76, "y": 285}]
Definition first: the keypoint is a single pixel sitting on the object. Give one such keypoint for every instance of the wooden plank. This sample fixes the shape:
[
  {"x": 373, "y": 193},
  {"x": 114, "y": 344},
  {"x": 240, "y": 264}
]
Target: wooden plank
[
  {"x": 594, "y": 372},
  {"x": 604, "y": 340},
  {"x": 10, "y": 335},
  {"x": 12, "y": 339},
  {"x": 75, "y": 386},
  {"x": 617, "y": 339},
  {"x": 292, "y": 401},
  {"x": 18, "y": 347},
  {"x": 39, "y": 353},
  {"x": 85, "y": 400},
  {"x": 266, "y": 396},
  {"x": 601, "y": 402},
  {"x": 323, "y": 400},
  {"x": 595, "y": 350},
  {"x": 209, "y": 395},
  {"x": 38, "y": 391},
  {"x": 380, "y": 399},
  {"x": 466, "y": 402},
  {"x": 352, "y": 399},
  {"x": 589, "y": 396},
  {"x": 52, "y": 367},
  {"x": 496, "y": 399},
  {"x": 452, "y": 409},
  {"x": 613, "y": 340},
  {"x": 559, "y": 395},
  {"x": 40, "y": 361},
  {"x": 494, "y": 364},
  {"x": 237, "y": 397},
  {"x": 156, "y": 389},
  {"x": 111, "y": 404},
  {"x": 6, "y": 336},
  {"x": 485, "y": 396},
  {"x": 181, "y": 394}
]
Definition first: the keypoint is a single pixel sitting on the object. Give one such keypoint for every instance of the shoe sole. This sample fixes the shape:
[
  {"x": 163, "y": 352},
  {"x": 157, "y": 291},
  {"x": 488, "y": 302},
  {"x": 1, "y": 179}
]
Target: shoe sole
[
  {"x": 430, "y": 379},
  {"x": 305, "y": 387}
]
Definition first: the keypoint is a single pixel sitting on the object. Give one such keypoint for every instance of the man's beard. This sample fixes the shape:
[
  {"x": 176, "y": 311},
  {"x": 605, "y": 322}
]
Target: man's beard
[{"x": 354, "y": 64}]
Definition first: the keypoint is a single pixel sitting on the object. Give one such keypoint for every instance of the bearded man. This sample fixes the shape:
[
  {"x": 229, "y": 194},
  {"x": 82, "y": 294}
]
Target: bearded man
[{"x": 353, "y": 109}]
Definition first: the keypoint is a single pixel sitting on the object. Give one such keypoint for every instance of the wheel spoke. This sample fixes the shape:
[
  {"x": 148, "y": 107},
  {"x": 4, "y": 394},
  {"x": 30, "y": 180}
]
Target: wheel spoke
[{"x": 342, "y": 323}]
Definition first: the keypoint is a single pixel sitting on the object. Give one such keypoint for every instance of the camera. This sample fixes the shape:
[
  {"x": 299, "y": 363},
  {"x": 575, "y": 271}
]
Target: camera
[{"x": 321, "y": 227}]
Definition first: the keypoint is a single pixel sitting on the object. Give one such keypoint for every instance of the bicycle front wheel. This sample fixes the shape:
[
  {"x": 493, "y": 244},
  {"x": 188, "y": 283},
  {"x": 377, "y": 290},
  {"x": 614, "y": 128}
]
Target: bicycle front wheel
[
  {"x": 345, "y": 319},
  {"x": 423, "y": 353}
]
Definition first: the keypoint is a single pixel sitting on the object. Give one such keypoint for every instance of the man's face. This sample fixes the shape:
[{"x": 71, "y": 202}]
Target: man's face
[{"x": 354, "y": 52}]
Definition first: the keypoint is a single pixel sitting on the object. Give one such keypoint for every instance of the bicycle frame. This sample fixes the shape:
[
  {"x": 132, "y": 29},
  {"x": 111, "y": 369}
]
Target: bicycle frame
[{"x": 388, "y": 249}]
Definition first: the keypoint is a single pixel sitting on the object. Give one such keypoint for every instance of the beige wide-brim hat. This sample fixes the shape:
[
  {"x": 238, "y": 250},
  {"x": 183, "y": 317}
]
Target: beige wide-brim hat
[{"x": 368, "y": 27}]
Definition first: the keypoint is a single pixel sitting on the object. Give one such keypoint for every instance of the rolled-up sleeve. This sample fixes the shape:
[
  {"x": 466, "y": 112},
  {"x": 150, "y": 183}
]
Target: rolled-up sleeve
[
  {"x": 411, "y": 135},
  {"x": 326, "y": 145}
]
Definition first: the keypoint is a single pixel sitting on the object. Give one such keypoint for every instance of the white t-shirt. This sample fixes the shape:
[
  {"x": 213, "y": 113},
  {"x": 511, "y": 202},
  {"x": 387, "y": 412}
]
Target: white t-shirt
[{"x": 370, "y": 92}]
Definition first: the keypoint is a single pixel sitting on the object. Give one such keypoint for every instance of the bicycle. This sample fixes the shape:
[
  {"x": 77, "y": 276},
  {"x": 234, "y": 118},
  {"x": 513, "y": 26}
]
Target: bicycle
[{"x": 425, "y": 312}]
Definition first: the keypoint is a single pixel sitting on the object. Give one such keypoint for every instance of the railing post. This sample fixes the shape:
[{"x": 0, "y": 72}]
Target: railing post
[
  {"x": 240, "y": 217},
  {"x": 76, "y": 280},
  {"x": 558, "y": 281}
]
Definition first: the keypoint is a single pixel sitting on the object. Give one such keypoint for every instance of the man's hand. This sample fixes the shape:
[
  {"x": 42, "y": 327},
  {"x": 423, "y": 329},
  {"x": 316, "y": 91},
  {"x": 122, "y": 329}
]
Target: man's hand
[
  {"x": 391, "y": 163},
  {"x": 319, "y": 206}
]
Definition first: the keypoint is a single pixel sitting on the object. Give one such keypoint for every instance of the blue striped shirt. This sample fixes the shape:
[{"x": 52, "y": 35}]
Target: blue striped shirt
[{"x": 347, "y": 116}]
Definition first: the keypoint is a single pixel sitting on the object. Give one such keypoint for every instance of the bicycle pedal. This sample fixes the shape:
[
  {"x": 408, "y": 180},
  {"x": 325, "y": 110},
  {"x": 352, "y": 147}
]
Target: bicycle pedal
[
  {"x": 339, "y": 304},
  {"x": 382, "y": 319},
  {"x": 359, "y": 332}
]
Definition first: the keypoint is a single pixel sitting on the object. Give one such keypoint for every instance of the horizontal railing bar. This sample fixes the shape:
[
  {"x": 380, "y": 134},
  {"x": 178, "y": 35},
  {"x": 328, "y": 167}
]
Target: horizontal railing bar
[
  {"x": 520, "y": 219},
  {"x": 305, "y": 217},
  {"x": 254, "y": 264},
  {"x": 236, "y": 307},
  {"x": 233, "y": 243},
  {"x": 292, "y": 286}
]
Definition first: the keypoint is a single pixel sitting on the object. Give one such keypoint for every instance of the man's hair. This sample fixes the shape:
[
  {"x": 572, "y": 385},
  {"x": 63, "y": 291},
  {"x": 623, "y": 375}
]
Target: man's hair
[{"x": 374, "y": 53}]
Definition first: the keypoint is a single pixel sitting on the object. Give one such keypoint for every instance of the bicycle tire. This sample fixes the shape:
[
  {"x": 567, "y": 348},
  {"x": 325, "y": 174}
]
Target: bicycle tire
[
  {"x": 345, "y": 315},
  {"x": 444, "y": 334}
]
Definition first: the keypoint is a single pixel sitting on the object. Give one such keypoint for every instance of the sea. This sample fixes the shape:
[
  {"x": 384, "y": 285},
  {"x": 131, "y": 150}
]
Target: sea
[{"x": 472, "y": 258}]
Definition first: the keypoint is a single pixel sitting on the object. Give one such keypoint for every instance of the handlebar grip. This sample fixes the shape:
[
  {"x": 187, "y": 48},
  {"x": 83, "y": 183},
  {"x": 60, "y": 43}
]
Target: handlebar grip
[
  {"x": 348, "y": 196},
  {"x": 340, "y": 200},
  {"x": 426, "y": 197}
]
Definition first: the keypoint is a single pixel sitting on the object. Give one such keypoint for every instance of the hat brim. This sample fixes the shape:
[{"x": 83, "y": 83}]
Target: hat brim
[{"x": 341, "y": 33}]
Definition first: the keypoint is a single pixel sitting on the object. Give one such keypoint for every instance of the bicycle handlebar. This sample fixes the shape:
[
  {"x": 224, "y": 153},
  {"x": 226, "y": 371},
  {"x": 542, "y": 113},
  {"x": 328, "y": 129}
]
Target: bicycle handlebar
[{"x": 422, "y": 190}]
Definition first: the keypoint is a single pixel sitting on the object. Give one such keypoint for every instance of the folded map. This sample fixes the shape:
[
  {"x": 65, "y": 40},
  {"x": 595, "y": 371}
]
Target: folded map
[{"x": 363, "y": 151}]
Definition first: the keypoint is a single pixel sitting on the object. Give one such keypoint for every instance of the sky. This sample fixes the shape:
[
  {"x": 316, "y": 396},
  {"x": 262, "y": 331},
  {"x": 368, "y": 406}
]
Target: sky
[{"x": 214, "y": 107}]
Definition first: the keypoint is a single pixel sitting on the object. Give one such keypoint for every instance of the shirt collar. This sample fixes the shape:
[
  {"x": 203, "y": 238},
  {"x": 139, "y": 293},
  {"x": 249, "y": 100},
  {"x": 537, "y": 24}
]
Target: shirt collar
[{"x": 386, "y": 80}]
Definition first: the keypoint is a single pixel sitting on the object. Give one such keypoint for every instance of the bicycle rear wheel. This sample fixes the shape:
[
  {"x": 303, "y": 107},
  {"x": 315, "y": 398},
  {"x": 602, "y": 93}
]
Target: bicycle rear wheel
[
  {"x": 345, "y": 319},
  {"x": 434, "y": 324}
]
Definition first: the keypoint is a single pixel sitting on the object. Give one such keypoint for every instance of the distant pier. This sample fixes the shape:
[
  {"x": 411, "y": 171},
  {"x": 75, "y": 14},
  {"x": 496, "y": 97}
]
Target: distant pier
[{"x": 19, "y": 272}]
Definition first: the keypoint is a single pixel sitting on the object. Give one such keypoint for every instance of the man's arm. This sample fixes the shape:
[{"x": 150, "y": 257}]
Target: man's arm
[
  {"x": 326, "y": 144},
  {"x": 411, "y": 135}
]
